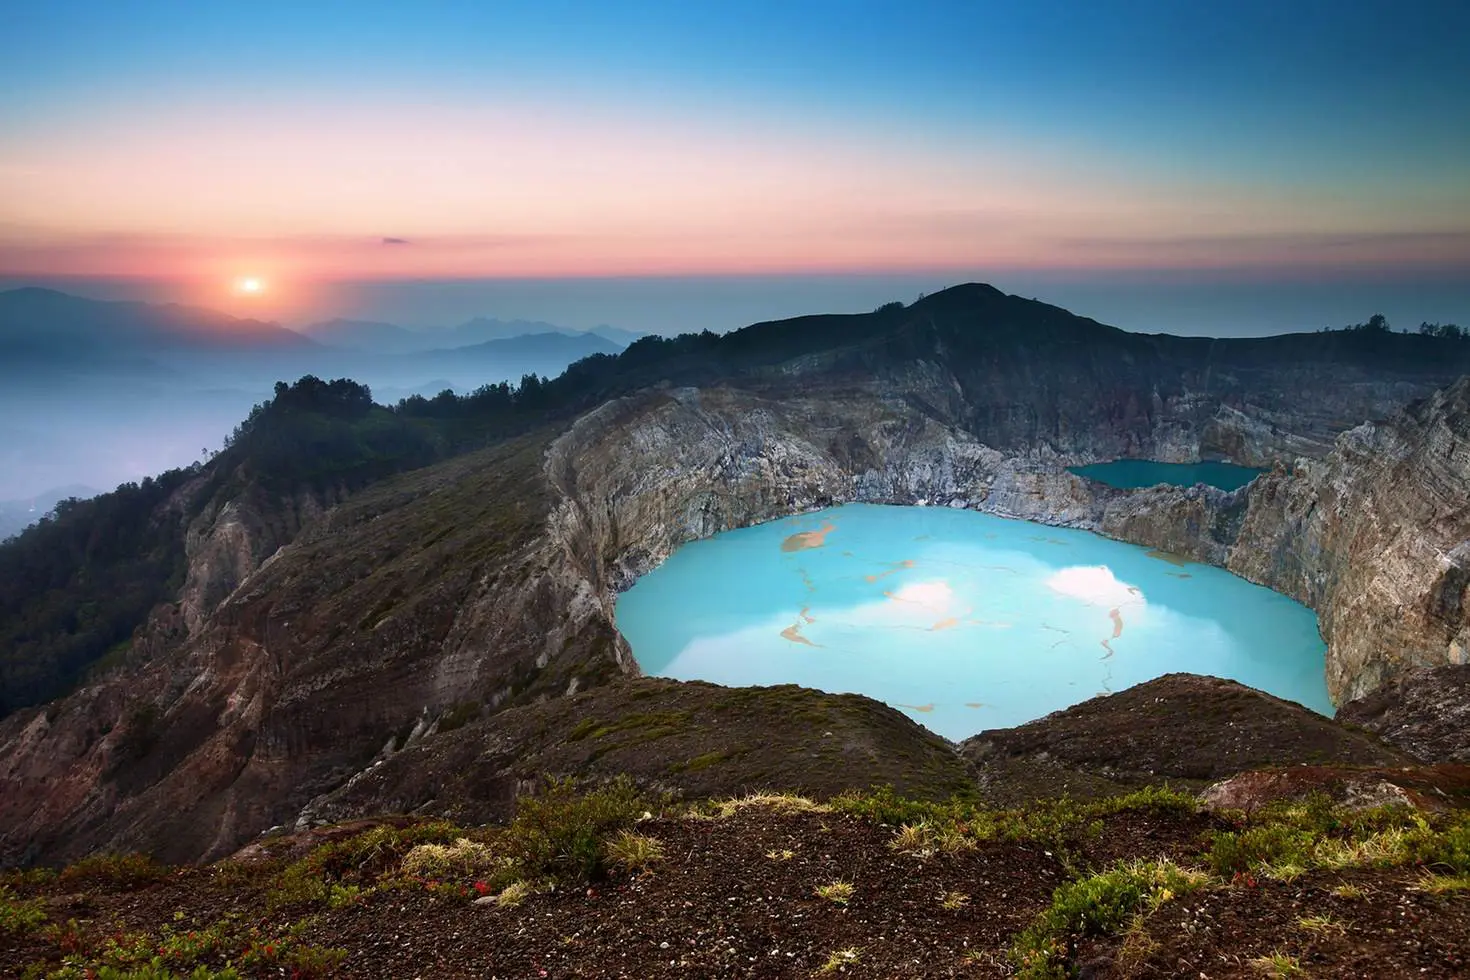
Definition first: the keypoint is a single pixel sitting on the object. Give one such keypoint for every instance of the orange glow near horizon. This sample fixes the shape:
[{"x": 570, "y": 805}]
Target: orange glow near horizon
[{"x": 404, "y": 191}]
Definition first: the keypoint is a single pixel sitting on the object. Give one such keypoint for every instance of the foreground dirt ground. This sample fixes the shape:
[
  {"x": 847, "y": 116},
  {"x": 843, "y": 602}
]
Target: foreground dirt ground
[{"x": 779, "y": 886}]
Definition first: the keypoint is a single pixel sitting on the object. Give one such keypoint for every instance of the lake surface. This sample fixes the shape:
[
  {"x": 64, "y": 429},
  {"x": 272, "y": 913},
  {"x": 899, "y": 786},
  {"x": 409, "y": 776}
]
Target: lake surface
[
  {"x": 962, "y": 620},
  {"x": 1130, "y": 474}
]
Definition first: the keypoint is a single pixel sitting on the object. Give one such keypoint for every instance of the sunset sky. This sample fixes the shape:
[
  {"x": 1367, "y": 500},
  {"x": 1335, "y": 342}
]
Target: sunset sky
[{"x": 305, "y": 143}]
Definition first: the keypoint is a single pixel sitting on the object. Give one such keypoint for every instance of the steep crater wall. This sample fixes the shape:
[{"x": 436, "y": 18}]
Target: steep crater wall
[{"x": 1375, "y": 537}]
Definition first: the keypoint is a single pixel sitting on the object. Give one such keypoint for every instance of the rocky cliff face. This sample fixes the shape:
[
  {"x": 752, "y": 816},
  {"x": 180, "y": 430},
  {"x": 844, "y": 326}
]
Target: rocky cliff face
[
  {"x": 1375, "y": 538},
  {"x": 296, "y": 660}
]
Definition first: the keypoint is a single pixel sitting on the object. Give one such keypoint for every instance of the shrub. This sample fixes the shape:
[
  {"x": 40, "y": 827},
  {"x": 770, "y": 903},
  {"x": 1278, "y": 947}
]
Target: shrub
[
  {"x": 19, "y": 916},
  {"x": 562, "y": 834},
  {"x": 1270, "y": 845},
  {"x": 341, "y": 896},
  {"x": 1448, "y": 850},
  {"x": 1099, "y": 904},
  {"x": 359, "y": 859},
  {"x": 119, "y": 871},
  {"x": 374, "y": 851}
]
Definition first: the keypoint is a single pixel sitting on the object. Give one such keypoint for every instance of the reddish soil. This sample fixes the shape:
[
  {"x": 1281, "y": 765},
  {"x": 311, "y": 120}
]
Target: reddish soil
[
  {"x": 718, "y": 906},
  {"x": 1392, "y": 930},
  {"x": 736, "y": 897}
]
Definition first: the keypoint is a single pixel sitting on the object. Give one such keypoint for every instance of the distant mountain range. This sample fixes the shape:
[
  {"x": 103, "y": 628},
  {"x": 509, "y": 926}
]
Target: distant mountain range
[
  {"x": 43, "y": 332},
  {"x": 97, "y": 392},
  {"x": 531, "y": 349},
  {"x": 38, "y": 322},
  {"x": 17, "y": 515},
  {"x": 388, "y": 338}
]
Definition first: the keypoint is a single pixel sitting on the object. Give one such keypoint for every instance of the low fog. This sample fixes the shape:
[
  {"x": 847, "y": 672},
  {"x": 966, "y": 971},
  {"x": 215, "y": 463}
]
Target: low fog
[{"x": 93, "y": 394}]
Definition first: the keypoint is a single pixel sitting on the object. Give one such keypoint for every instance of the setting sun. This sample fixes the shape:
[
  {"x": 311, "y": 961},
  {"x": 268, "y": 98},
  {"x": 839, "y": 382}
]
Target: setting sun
[{"x": 250, "y": 286}]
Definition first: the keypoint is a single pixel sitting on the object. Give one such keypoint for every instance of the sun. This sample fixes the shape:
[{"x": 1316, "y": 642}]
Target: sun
[{"x": 250, "y": 286}]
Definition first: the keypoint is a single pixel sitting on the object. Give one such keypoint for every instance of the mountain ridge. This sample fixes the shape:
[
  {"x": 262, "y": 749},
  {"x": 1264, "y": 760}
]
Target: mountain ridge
[
  {"x": 487, "y": 578},
  {"x": 41, "y": 319}
]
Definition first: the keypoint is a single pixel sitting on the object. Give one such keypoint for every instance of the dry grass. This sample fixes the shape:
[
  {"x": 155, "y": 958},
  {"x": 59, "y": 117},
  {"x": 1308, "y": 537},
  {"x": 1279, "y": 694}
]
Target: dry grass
[
  {"x": 840, "y": 892},
  {"x": 953, "y": 901},
  {"x": 514, "y": 894},
  {"x": 1286, "y": 871},
  {"x": 1137, "y": 946},
  {"x": 779, "y": 802},
  {"x": 634, "y": 852},
  {"x": 913, "y": 838},
  {"x": 1383, "y": 849},
  {"x": 924, "y": 840},
  {"x": 464, "y": 858}
]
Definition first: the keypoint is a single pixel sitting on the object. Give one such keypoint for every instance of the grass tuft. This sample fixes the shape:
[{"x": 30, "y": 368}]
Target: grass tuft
[
  {"x": 1438, "y": 884},
  {"x": 1277, "y": 965},
  {"x": 840, "y": 892},
  {"x": 464, "y": 858},
  {"x": 514, "y": 894},
  {"x": 779, "y": 802},
  {"x": 953, "y": 901},
  {"x": 841, "y": 958},
  {"x": 634, "y": 852},
  {"x": 1321, "y": 925}
]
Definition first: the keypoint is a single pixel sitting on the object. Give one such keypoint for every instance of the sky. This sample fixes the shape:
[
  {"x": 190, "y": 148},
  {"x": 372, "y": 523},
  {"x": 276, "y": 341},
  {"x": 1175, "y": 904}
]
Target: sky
[{"x": 334, "y": 152}]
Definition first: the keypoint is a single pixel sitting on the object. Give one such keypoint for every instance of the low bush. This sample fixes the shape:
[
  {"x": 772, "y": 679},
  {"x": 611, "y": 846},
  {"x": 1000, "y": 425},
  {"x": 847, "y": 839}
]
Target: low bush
[
  {"x": 119, "y": 871},
  {"x": 1098, "y": 904},
  {"x": 563, "y": 834},
  {"x": 19, "y": 916}
]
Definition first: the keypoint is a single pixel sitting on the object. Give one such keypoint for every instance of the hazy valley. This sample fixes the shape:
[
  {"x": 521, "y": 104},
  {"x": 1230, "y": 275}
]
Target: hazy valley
[{"x": 98, "y": 393}]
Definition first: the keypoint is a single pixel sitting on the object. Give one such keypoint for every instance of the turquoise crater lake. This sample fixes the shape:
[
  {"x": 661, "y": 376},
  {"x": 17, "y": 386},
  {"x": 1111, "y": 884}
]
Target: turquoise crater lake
[
  {"x": 1132, "y": 474},
  {"x": 962, "y": 620}
]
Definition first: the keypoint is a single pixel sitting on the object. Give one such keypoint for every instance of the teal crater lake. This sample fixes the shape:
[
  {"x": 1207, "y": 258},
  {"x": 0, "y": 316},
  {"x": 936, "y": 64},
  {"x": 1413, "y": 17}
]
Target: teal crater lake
[
  {"x": 1132, "y": 474},
  {"x": 962, "y": 620}
]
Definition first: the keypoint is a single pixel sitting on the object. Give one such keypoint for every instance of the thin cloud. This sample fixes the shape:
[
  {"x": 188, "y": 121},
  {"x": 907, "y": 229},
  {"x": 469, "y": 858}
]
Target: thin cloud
[
  {"x": 395, "y": 241},
  {"x": 1290, "y": 240}
]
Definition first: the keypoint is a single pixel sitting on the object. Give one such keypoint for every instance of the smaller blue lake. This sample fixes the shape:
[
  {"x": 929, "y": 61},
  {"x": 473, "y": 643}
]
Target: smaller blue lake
[
  {"x": 1131, "y": 474},
  {"x": 962, "y": 620}
]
